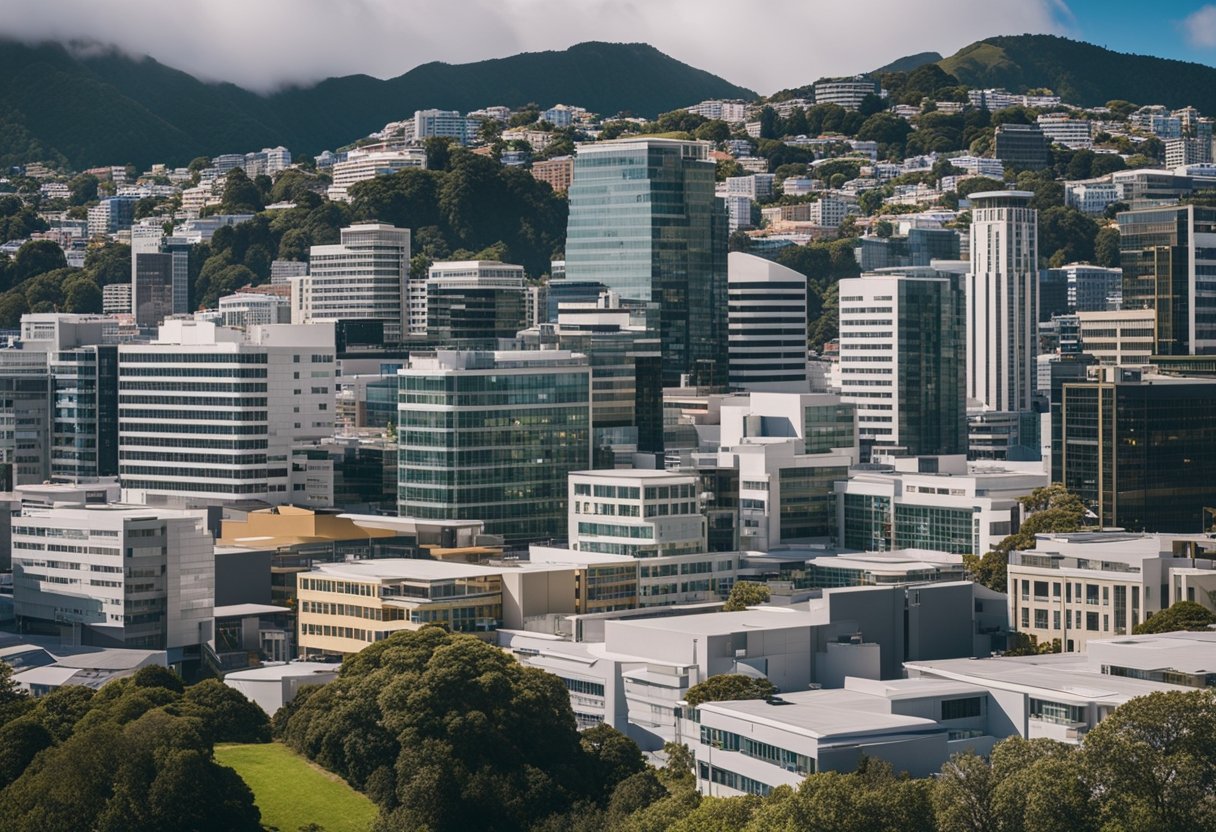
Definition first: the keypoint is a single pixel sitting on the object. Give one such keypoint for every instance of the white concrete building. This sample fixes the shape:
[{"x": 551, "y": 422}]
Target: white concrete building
[
  {"x": 361, "y": 165},
  {"x": 361, "y": 278},
  {"x": 1090, "y": 197},
  {"x": 245, "y": 309},
  {"x": 732, "y": 112},
  {"x": 767, "y": 325},
  {"x": 116, "y": 299},
  {"x": 272, "y": 686},
  {"x": 1073, "y": 133},
  {"x": 941, "y": 504},
  {"x": 640, "y": 513},
  {"x": 209, "y": 414},
  {"x": 756, "y": 186},
  {"x": 1002, "y": 301},
  {"x": 1127, "y": 336},
  {"x": 1074, "y": 587},
  {"x": 444, "y": 124},
  {"x": 846, "y": 92},
  {"x": 116, "y": 576}
]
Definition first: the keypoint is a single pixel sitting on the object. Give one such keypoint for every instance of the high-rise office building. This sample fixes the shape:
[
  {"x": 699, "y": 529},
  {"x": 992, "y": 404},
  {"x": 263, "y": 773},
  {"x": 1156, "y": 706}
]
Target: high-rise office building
[
  {"x": 475, "y": 300},
  {"x": 1138, "y": 448},
  {"x": 1002, "y": 301},
  {"x": 361, "y": 278},
  {"x": 626, "y": 367},
  {"x": 25, "y": 421},
  {"x": 1167, "y": 254},
  {"x": 209, "y": 414},
  {"x": 160, "y": 274},
  {"x": 130, "y": 577},
  {"x": 767, "y": 325},
  {"x": 903, "y": 359},
  {"x": 492, "y": 436},
  {"x": 645, "y": 223}
]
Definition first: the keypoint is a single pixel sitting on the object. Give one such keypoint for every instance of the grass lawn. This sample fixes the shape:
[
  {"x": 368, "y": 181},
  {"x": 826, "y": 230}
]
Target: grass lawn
[{"x": 292, "y": 792}]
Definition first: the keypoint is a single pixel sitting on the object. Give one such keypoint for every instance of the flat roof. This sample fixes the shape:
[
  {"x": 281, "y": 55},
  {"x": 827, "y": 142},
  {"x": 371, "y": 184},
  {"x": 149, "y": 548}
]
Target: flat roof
[
  {"x": 723, "y": 623},
  {"x": 633, "y": 473},
  {"x": 823, "y": 714},
  {"x": 1064, "y": 677},
  {"x": 1184, "y": 652},
  {"x": 273, "y": 672},
  {"x": 404, "y": 569},
  {"x": 246, "y": 610}
]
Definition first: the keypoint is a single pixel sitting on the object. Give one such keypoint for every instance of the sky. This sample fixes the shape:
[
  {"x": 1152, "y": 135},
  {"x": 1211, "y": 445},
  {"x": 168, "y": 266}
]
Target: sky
[{"x": 766, "y": 46}]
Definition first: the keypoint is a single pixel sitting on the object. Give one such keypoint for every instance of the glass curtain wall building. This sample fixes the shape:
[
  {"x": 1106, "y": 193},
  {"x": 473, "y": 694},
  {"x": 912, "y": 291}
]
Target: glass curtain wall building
[
  {"x": 1169, "y": 265},
  {"x": 492, "y": 436},
  {"x": 1139, "y": 449},
  {"x": 644, "y": 222}
]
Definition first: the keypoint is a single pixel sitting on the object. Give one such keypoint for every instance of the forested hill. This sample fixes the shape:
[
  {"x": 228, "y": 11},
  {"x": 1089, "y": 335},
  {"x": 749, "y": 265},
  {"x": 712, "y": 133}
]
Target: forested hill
[
  {"x": 99, "y": 106},
  {"x": 1082, "y": 73}
]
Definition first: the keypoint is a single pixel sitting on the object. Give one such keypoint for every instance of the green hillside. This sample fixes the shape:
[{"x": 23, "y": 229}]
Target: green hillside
[
  {"x": 1082, "y": 73},
  {"x": 102, "y": 107}
]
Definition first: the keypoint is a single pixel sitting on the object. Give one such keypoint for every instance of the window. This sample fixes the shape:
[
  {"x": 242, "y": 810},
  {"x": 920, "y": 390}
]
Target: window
[
  {"x": 1091, "y": 621},
  {"x": 1025, "y": 618},
  {"x": 962, "y": 708},
  {"x": 1040, "y": 619}
]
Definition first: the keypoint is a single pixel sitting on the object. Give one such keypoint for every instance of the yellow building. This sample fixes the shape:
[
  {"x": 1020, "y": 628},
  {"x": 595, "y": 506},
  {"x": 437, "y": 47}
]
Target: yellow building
[{"x": 344, "y": 607}]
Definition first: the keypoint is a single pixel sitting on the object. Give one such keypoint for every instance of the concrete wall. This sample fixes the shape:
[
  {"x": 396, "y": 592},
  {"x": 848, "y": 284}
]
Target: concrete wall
[{"x": 242, "y": 578}]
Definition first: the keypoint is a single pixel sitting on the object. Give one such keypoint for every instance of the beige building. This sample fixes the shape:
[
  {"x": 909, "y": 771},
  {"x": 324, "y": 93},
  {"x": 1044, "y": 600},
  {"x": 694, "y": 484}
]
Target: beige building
[
  {"x": 1090, "y": 585},
  {"x": 1125, "y": 336},
  {"x": 344, "y": 607}
]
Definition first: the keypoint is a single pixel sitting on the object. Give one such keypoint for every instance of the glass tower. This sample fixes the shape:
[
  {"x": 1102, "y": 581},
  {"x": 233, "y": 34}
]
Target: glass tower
[
  {"x": 492, "y": 436},
  {"x": 645, "y": 223},
  {"x": 1168, "y": 257}
]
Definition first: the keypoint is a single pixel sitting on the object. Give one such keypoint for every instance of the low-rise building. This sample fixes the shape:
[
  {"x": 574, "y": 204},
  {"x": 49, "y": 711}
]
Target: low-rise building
[{"x": 1074, "y": 587}]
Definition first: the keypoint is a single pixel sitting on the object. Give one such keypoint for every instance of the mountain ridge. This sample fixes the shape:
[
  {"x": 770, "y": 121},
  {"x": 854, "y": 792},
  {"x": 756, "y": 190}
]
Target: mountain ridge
[{"x": 101, "y": 106}]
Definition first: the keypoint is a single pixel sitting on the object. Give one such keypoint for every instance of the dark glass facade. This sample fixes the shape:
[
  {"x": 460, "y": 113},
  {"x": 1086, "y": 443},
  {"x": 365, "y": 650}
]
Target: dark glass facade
[
  {"x": 84, "y": 431},
  {"x": 919, "y": 248},
  {"x": 1140, "y": 454},
  {"x": 456, "y": 314},
  {"x": 932, "y": 353},
  {"x": 645, "y": 223},
  {"x": 153, "y": 288},
  {"x": 1169, "y": 256}
]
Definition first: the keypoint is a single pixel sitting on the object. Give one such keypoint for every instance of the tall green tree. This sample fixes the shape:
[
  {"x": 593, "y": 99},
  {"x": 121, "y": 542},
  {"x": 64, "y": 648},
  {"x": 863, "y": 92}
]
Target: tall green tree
[{"x": 1152, "y": 763}]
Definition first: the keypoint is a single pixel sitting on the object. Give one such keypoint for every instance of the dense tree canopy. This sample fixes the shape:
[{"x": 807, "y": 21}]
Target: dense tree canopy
[
  {"x": 446, "y": 732},
  {"x": 1182, "y": 615},
  {"x": 137, "y": 755}
]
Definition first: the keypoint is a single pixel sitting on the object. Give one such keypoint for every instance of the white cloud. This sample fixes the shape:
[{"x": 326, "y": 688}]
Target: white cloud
[
  {"x": 1200, "y": 27},
  {"x": 778, "y": 43}
]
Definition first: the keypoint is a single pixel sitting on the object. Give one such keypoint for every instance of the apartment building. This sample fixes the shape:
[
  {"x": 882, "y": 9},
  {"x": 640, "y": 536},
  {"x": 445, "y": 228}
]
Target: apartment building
[{"x": 361, "y": 165}]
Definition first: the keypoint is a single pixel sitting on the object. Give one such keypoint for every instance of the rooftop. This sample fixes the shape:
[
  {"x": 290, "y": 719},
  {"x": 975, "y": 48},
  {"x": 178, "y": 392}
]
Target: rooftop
[
  {"x": 823, "y": 714},
  {"x": 389, "y": 569},
  {"x": 724, "y": 623},
  {"x": 1064, "y": 677}
]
